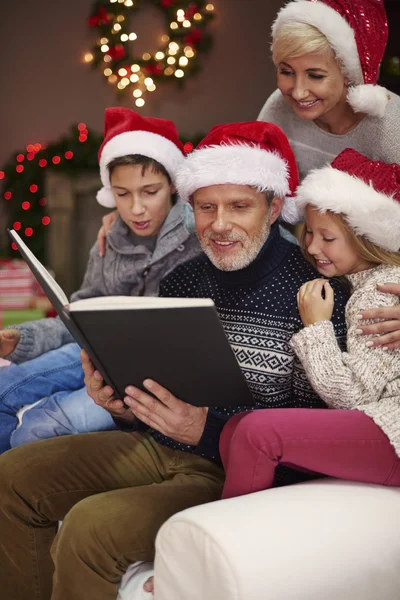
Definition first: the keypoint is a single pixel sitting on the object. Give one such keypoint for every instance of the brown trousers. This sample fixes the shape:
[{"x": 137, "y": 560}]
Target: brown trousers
[{"x": 113, "y": 490}]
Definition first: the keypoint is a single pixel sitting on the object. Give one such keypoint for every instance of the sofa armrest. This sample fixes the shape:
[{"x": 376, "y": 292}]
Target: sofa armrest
[{"x": 325, "y": 539}]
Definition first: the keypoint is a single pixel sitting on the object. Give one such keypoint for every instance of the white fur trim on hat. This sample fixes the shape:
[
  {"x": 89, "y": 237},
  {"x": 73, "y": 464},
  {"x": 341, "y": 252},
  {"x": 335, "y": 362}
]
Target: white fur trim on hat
[
  {"x": 290, "y": 211},
  {"x": 105, "y": 197},
  {"x": 238, "y": 164},
  {"x": 369, "y": 99},
  {"x": 368, "y": 212},
  {"x": 146, "y": 143},
  {"x": 335, "y": 28}
]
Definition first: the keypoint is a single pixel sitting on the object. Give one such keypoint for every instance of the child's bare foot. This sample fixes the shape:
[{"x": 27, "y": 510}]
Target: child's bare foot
[{"x": 149, "y": 585}]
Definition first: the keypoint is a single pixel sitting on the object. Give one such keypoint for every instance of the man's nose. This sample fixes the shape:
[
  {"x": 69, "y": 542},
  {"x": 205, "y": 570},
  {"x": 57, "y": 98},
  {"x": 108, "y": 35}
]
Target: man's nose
[{"x": 221, "y": 222}]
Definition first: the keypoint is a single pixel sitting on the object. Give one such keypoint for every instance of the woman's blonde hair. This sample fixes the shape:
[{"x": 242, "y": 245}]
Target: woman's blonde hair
[
  {"x": 295, "y": 39},
  {"x": 364, "y": 248}
]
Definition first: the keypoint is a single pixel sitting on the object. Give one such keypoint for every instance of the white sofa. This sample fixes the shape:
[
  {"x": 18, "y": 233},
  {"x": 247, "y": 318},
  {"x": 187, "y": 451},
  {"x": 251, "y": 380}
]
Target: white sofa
[{"x": 321, "y": 540}]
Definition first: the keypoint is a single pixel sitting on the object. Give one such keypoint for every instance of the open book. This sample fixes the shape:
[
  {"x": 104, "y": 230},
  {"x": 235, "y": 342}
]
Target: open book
[{"x": 178, "y": 342}]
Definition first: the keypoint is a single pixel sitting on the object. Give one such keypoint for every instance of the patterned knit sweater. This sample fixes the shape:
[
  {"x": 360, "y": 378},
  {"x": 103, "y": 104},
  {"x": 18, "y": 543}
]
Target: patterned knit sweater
[
  {"x": 258, "y": 310},
  {"x": 361, "y": 378}
]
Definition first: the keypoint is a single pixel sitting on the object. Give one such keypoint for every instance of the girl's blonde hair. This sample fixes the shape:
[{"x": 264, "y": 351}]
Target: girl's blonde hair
[
  {"x": 364, "y": 248},
  {"x": 295, "y": 39}
]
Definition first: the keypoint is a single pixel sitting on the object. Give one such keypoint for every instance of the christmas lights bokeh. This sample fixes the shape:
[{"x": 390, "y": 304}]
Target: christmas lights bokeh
[
  {"x": 186, "y": 36},
  {"x": 22, "y": 181}
]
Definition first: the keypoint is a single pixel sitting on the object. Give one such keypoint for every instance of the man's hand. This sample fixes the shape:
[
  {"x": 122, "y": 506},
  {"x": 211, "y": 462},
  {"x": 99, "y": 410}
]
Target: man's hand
[
  {"x": 103, "y": 395},
  {"x": 9, "y": 339},
  {"x": 390, "y": 327},
  {"x": 108, "y": 222},
  {"x": 312, "y": 306},
  {"x": 165, "y": 413}
]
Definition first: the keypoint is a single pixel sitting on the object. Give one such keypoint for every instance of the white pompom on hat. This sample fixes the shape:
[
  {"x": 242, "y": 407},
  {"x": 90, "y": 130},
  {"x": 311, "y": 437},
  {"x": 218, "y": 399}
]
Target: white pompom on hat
[
  {"x": 126, "y": 132},
  {"x": 357, "y": 31},
  {"x": 255, "y": 153},
  {"x": 365, "y": 192}
]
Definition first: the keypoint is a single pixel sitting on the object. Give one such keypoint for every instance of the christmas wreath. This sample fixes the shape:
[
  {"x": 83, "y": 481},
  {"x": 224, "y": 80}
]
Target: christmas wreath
[{"x": 177, "y": 57}]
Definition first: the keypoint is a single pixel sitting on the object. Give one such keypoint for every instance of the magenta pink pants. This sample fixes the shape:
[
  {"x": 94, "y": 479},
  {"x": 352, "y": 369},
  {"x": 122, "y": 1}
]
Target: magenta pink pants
[{"x": 339, "y": 443}]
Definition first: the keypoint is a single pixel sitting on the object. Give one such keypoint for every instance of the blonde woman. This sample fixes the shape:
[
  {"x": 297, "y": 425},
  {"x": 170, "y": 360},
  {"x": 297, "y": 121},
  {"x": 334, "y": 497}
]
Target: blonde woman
[
  {"x": 327, "y": 54},
  {"x": 352, "y": 216}
]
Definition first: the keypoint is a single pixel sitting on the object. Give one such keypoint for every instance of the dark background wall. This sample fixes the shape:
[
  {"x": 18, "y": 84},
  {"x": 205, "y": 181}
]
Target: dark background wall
[{"x": 45, "y": 87}]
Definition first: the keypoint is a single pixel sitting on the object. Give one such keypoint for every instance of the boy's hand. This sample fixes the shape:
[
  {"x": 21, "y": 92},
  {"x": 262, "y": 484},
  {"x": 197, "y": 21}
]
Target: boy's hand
[
  {"x": 9, "y": 339},
  {"x": 108, "y": 222},
  {"x": 390, "y": 327},
  {"x": 166, "y": 413},
  {"x": 312, "y": 306},
  {"x": 103, "y": 395}
]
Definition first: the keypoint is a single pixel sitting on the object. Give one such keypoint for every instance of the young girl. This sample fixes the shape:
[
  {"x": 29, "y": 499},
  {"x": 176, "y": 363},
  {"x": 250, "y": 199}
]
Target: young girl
[
  {"x": 139, "y": 159},
  {"x": 352, "y": 214}
]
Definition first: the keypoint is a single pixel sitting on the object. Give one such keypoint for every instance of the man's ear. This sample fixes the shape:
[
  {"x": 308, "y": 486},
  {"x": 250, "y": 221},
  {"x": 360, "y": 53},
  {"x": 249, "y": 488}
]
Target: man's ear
[
  {"x": 173, "y": 188},
  {"x": 275, "y": 208}
]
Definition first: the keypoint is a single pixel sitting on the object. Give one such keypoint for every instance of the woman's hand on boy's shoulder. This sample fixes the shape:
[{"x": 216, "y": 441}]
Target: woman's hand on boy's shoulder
[
  {"x": 108, "y": 221},
  {"x": 9, "y": 339},
  {"x": 387, "y": 332},
  {"x": 103, "y": 395}
]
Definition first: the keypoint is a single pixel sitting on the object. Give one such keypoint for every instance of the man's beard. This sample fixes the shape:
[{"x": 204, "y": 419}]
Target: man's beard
[{"x": 243, "y": 256}]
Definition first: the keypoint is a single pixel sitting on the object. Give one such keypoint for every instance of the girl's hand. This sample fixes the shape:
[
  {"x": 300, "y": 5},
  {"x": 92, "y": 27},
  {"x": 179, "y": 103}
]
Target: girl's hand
[
  {"x": 9, "y": 339},
  {"x": 312, "y": 306}
]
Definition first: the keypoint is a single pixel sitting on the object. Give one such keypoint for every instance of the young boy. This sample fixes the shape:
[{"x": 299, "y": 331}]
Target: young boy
[{"x": 138, "y": 160}]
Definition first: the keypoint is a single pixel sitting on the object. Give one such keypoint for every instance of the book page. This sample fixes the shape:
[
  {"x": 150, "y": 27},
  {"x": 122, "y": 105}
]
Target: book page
[
  {"x": 136, "y": 302},
  {"x": 37, "y": 266}
]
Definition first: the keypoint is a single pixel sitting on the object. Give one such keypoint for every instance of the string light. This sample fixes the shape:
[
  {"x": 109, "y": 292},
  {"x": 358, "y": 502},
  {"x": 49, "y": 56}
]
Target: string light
[
  {"x": 88, "y": 57},
  {"x": 56, "y": 159},
  {"x": 186, "y": 24}
]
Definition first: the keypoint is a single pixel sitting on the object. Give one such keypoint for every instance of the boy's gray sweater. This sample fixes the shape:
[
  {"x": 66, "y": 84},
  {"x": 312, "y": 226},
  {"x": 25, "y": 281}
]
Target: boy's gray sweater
[{"x": 125, "y": 270}]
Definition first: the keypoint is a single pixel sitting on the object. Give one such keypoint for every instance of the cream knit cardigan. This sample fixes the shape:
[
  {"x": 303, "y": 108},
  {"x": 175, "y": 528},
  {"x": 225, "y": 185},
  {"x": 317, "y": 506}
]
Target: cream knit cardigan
[{"x": 362, "y": 378}]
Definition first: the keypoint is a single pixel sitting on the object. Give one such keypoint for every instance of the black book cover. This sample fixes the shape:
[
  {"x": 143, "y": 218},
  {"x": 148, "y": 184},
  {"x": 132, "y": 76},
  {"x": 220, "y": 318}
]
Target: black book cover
[{"x": 183, "y": 348}]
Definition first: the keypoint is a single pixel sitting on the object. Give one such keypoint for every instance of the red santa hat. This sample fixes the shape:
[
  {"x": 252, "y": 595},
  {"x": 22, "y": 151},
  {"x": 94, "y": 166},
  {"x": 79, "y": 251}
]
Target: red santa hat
[
  {"x": 357, "y": 31},
  {"x": 127, "y": 132},
  {"x": 366, "y": 192},
  {"x": 257, "y": 154}
]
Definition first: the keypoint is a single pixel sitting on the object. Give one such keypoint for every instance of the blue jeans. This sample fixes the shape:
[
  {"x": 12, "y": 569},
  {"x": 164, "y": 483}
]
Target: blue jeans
[{"x": 51, "y": 377}]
